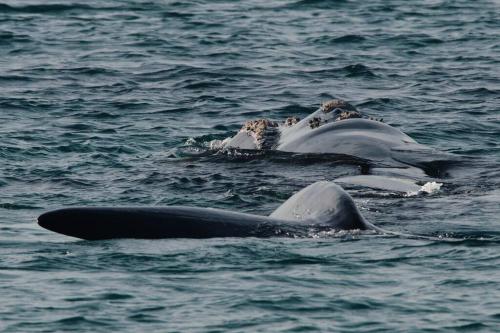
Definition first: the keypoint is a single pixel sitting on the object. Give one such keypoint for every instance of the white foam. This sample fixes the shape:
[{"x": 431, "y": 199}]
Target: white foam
[
  {"x": 429, "y": 188},
  {"x": 190, "y": 142},
  {"x": 218, "y": 144},
  {"x": 345, "y": 234}
]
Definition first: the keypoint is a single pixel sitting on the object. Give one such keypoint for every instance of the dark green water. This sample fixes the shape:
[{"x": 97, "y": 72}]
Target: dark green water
[{"x": 109, "y": 103}]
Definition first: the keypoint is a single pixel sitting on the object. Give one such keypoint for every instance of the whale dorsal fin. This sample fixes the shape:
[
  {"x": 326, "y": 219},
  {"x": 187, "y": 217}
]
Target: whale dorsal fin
[{"x": 322, "y": 203}]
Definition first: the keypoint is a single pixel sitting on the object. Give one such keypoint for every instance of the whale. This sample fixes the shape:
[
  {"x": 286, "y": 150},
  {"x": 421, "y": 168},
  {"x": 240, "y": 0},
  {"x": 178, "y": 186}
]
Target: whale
[
  {"x": 396, "y": 161},
  {"x": 323, "y": 205},
  {"x": 336, "y": 127}
]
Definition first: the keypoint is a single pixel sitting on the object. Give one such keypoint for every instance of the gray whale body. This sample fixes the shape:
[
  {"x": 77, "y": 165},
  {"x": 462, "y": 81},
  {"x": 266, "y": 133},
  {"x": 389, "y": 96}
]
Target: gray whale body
[
  {"x": 343, "y": 131},
  {"x": 323, "y": 205},
  {"x": 338, "y": 128}
]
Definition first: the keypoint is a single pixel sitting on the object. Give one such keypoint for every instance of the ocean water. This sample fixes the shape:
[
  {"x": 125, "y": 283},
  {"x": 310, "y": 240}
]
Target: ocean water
[{"x": 114, "y": 103}]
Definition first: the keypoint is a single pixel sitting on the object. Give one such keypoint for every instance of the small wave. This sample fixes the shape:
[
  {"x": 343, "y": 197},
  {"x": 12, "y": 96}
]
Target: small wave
[
  {"x": 317, "y": 4},
  {"x": 98, "y": 115},
  {"x": 294, "y": 110},
  {"x": 79, "y": 127},
  {"x": 479, "y": 92},
  {"x": 218, "y": 144},
  {"x": 80, "y": 320},
  {"x": 329, "y": 40},
  {"x": 203, "y": 146},
  {"x": 415, "y": 40},
  {"x": 13, "y": 206},
  {"x": 41, "y": 9},
  {"x": 172, "y": 14},
  {"x": 15, "y": 78},
  {"x": 207, "y": 142},
  {"x": 74, "y": 148},
  {"x": 130, "y": 105},
  {"x": 358, "y": 70},
  {"x": 470, "y": 327},
  {"x": 349, "y": 39},
  {"x": 92, "y": 71},
  {"x": 182, "y": 71},
  {"x": 115, "y": 296},
  {"x": 7, "y": 37},
  {"x": 200, "y": 85},
  {"x": 344, "y": 234}
]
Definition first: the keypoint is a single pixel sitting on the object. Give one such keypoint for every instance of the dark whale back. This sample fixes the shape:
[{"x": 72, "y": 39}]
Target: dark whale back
[
  {"x": 322, "y": 203},
  {"x": 93, "y": 223}
]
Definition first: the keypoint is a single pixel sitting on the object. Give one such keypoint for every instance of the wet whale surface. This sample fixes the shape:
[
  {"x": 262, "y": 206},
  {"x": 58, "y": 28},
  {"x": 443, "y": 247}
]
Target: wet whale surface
[{"x": 320, "y": 205}]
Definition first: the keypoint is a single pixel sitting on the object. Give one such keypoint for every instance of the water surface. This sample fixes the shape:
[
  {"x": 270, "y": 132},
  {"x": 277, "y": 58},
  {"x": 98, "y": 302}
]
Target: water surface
[{"x": 99, "y": 103}]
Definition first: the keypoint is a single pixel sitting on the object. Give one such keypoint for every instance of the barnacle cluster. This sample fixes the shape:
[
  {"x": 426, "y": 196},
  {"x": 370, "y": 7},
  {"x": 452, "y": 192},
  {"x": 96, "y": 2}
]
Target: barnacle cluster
[
  {"x": 333, "y": 104},
  {"x": 264, "y": 131},
  {"x": 258, "y": 127},
  {"x": 336, "y": 108},
  {"x": 377, "y": 119},
  {"x": 343, "y": 115},
  {"x": 290, "y": 121},
  {"x": 315, "y": 122}
]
